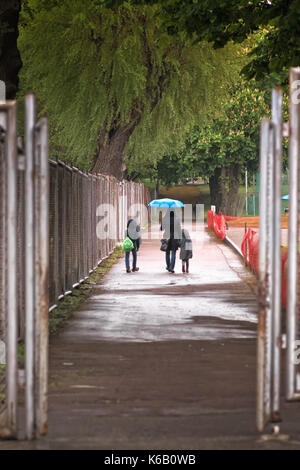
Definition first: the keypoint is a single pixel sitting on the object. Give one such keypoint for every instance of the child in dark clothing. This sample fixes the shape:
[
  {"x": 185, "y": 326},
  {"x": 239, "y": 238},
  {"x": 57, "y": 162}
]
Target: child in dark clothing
[{"x": 186, "y": 250}]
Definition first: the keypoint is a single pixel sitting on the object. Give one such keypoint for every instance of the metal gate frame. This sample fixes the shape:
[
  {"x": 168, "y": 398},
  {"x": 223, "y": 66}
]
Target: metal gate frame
[
  {"x": 8, "y": 123},
  {"x": 270, "y": 340},
  {"x": 36, "y": 269},
  {"x": 292, "y": 382},
  {"x": 35, "y": 164}
]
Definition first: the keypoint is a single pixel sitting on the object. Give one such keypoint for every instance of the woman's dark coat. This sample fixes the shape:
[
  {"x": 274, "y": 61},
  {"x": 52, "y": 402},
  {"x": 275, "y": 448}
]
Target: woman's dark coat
[{"x": 172, "y": 230}]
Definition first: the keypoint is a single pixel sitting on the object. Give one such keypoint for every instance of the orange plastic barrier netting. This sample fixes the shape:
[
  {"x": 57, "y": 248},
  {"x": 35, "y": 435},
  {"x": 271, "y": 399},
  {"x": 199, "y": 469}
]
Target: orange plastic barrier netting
[
  {"x": 250, "y": 249},
  {"x": 218, "y": 223},
  {"x": 252, "y": 221},
  {"x": 210, "y": 219},
  {"x": 250, "y": 242}
]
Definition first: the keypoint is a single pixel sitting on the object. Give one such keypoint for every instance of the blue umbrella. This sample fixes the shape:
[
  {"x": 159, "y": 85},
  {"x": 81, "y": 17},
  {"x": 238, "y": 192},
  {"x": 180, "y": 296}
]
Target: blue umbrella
[
  {"x": 286, "y": 197},
  {"x": 166, "y": 202}
]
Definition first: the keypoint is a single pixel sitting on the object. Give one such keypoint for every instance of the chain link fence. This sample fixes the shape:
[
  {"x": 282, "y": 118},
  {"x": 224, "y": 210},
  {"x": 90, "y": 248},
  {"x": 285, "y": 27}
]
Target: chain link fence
[
  {"x": 75, "y": 249},
  {"x": 78, "y": 202}
]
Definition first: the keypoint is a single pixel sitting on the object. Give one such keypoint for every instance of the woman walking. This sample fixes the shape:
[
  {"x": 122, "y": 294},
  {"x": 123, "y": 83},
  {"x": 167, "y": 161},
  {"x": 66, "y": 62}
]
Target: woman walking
[{"x": 172, "y": 232}]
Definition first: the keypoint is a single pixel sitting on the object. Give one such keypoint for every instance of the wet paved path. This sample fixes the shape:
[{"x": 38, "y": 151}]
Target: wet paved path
[
  {"x": 159, "y": 361},
  {"x": 212, "y": 302}
]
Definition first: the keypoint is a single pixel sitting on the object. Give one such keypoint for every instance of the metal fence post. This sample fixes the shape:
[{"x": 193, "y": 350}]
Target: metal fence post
[
  {"x": 56, "y": 237},
  {"x": 3, "y": 202},
  {"x": 29, "y": 263},
  {"x": 293, "y": 257},
  {"x": 264, "y": 295},
  {"x": 43, "y": 305},
  {"x": 8, "y": 122},
  {"x": 12, "y": 304},
  {"x": 277, "y": 122}
]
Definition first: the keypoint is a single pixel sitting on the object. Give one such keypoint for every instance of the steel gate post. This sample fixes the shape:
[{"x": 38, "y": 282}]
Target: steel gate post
[
  {"x": 8, "y": 120},
  {"x": 293, "y": 257},
  {"x": 30, "y": 114},
  {"x": 264, "y": 297},
  {"x": 12, "y": 305},
  {"x": 276, "y": 303},
  {"x": 43, "y": 305}
]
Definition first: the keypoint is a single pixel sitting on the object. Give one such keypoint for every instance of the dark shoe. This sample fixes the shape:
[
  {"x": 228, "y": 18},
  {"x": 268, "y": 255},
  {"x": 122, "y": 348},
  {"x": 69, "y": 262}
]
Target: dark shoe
[
  {"x": 171, "y": 271},
  {"x": 128, "y": 270},
  {"x": 187, "y": 271},
  {"x": 135, "y": 269}
]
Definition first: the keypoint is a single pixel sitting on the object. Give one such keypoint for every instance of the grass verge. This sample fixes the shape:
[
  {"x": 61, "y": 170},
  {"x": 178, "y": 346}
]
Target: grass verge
[{"x": 66, "y": 306}]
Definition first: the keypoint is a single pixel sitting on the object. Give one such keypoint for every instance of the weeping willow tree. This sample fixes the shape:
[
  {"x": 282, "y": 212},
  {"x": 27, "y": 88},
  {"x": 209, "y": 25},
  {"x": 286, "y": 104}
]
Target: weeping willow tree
[{"x": 118, "y": 91}]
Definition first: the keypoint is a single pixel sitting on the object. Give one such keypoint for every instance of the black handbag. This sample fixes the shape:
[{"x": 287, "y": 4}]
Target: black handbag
[{"x": 164, "y": 244}]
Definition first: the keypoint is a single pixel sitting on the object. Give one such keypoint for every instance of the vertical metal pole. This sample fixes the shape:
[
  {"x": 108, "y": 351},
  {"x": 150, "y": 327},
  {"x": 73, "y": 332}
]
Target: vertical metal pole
[
  {"x": 86, "y": 225},
  {"x": 264, "y": 298},
  {"x": 270, "y": 217},
  {"x": 37, "y": 215},
  {"x": 43, "y": 307},
  {"x": 3, "y": 202},
  {"x": 90, "y": 218},
  {"x": 94, "y": 221},
  {"x": 63, "y": 192},
  {"x": 293, "y": 257},
  {"x": 56, "y": 237},
  {"x": 277, "y": 121},
  {"x": 81, "y": 226},
  {"x": 30, "y": 113},
  {"x": 92, "y": 224},
  {"x": 12, "y": 304}
]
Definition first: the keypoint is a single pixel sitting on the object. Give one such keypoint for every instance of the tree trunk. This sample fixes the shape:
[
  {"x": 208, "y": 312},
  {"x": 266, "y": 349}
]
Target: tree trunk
[
  {"x": 214, "y": 188},
  {"x": 110, "y": 158},
  {"x": 224, "y": 186},
  {"x": 10, "y": 60}
]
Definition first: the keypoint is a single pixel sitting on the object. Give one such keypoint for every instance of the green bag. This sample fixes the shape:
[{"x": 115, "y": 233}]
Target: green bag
[{"x": 127, "y": 244}]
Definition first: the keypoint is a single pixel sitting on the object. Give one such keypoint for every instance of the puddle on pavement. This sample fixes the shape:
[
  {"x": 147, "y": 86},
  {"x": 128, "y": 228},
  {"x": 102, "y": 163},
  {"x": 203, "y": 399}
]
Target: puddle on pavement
[{"x": 163, "y": 317}]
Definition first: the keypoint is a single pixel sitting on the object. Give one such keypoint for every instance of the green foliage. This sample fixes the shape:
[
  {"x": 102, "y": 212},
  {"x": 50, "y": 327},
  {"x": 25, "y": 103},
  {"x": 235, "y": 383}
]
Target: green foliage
[
  {"x": 232, "y": 138},
  {"x": 222, "y": 21},
  {"x": 196, "y": 88},
  {"x": 170, "y": 169},
  {"x": 95, "y": 69}
]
